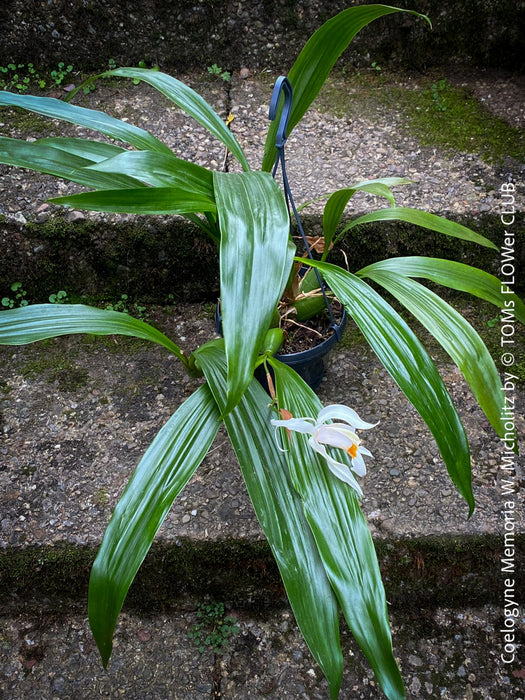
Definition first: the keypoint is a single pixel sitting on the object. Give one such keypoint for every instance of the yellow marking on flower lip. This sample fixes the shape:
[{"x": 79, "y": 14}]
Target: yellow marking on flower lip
[{"x": 352, "y": 451}]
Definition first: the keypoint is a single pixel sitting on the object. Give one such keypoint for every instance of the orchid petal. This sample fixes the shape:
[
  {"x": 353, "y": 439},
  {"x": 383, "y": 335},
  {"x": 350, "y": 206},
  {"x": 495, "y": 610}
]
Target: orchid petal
[
  {"x": 336, "y": 436},
  {"x": 358, "y": 464},
  {"x": 344, "y": 413},
  {"x": 300, "y": 425},
  {"x": 339, "y": 470}
]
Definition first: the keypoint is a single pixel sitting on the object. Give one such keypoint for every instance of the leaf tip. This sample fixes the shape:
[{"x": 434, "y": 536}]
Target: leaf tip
[
  {"x": 105, "y": 653},
  {"x": 231, "y": 403}
]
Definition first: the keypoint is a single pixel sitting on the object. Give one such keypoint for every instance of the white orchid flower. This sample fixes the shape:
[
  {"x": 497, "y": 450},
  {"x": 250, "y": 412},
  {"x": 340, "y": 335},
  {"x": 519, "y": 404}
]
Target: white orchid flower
[{"x": 339, "y": 433}]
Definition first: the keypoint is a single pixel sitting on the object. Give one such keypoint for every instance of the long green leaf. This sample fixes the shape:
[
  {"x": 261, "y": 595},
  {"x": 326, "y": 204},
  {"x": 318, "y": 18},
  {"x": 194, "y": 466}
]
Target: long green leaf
[
  {"x": 456, "y": 336},
  {"x": 342, "y": 536},
  {"x": 54, "y": 161},
  {"x": 159, "y": 170},
  {"x": 317, "y": 59},
  {"x": 337, "y": 202},
  {"x": 279, "y": 510},
  {"x": 40, "y": 321},
  {"x": 455, "y": 275},
  {"x": 256, "y": 258},
  {"x": 162, "y": 473},
  {"x": 90, "y": 118},
  {"x": 85, "y": 148},
  {"x": 423, "y": 219},
  {"x": 189, "y": 101},
  {"x": 146, "y": 200},
  {"x": 410, "y": 366}
]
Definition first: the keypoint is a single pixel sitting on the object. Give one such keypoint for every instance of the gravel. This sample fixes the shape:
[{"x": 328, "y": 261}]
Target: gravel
[
  {"x": 442, "y": 653},
  {"x": 325, "y": 151}
]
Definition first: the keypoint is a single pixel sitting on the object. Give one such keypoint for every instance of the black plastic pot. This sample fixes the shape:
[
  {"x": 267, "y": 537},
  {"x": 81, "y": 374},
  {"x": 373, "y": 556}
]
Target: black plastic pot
[{"x": 309, "y": 364}]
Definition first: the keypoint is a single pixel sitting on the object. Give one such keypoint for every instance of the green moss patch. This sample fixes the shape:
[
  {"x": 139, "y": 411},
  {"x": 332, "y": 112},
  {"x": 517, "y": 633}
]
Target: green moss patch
[
  {"x": 25, "y": 122},
  {"x": 436, "y": 113},
  {"x": 452, "y": 118},
  {"x": 422, "y": 572},
  {"x": 57, "y": 369}
]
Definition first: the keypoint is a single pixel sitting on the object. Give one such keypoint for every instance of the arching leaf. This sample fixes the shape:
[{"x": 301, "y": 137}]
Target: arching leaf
[
  {"x": 337, "y": 202},
  {"x": 403, "y": 356},
  {"x": 90, "y": 118},
  {"x": 40, "y": 321},
  {"x": 456, "y": 336},
  {"x": 160, "y": 476},
  {"x": 455, "y": 275},
  {"x": 432, "y": 222},
  {"x": 316, "y": 60},
  {"x": 147, "y": 200},
  {"x": 159, "y": 170},
  {"x": 189, "y": 101},
  {"x": 54, "y": 161}
]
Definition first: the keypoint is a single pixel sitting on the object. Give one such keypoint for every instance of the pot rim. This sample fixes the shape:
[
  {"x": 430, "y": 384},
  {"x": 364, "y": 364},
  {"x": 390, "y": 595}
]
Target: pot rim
[
  {"x": 317, "y": 350},
  {"x": 293, "y": 358}
]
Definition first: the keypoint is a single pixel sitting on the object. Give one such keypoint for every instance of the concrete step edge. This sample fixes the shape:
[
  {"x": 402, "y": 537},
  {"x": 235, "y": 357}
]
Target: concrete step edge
[{"x": 419, "y": 572}]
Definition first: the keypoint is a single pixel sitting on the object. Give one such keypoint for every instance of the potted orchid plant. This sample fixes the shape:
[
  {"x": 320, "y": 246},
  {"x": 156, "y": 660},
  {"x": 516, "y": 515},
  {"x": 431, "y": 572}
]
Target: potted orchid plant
[{"x": 300, "y": 461}]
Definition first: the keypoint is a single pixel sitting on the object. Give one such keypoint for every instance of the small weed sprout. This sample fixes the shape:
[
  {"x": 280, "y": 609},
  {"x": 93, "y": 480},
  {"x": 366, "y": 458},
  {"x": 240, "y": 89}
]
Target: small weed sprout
[
  {"x": 59, "y": 298},
  {"x": 60, "y": 73},
  {"x": 120, "y": 305},
  {"x": 21, "y": 76},
  {"x": 437, "y": 91},
  {"x": 19, "y": 299},
  {"x": 142, "y": 64},
  {"x": 141, "y": 312},
  {"x": 214, "y": 629},
  {"x": 494, "y": 321},
  {"x": 217, "y": 70},
  {"x": 124, "y": 306}
]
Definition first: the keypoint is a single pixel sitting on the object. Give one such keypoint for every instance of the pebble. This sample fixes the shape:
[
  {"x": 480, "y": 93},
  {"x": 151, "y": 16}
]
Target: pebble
[
  {"x": 415, "y": 687},
  {"x": 74, "y": 216},
  {"x": 415, "y": 660},
  {"x": 18, "y": 218}
]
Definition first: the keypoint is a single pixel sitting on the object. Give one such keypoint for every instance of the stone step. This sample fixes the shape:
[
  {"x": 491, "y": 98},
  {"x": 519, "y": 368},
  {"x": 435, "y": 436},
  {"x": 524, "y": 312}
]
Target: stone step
[{"x": 442, "y": 653}]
